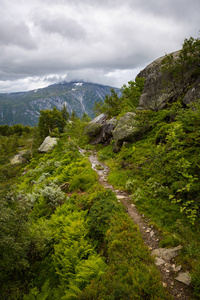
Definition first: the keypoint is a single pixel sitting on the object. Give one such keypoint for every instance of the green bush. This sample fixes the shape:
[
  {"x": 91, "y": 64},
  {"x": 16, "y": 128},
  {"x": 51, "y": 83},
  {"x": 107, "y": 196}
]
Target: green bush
[
  {"x": 131, "y": 274},
  {"x": 103, "y": 207},
  {"x": 196, "y": 280}
]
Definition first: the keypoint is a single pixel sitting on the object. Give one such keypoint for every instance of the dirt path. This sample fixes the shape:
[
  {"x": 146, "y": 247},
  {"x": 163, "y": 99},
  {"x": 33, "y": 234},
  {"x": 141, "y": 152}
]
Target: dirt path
[{"x": 164, "y": 257}]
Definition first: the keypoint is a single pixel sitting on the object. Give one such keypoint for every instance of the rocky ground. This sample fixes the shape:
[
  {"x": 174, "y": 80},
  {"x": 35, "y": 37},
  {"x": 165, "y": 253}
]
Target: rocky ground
[{"x": 176, "y": 281}]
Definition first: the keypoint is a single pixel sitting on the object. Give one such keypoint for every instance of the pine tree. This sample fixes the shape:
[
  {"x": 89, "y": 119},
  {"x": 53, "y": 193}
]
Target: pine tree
[{"x": 65, "y": 113}]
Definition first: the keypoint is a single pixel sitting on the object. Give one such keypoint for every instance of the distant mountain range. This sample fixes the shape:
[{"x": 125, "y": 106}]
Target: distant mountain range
[{"x": 24, "y": 107}]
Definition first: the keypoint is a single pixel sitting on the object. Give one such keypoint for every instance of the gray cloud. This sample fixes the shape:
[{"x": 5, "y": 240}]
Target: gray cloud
[
  {"x": 16, "y": 34},
  {"x": 66, "y": 27},
  {"x": 107, "y": 41}
]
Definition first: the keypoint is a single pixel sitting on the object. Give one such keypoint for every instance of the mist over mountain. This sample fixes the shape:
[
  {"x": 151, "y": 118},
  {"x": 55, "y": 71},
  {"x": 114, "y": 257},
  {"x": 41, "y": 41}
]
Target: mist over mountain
[{"x": 24, "y": 107}]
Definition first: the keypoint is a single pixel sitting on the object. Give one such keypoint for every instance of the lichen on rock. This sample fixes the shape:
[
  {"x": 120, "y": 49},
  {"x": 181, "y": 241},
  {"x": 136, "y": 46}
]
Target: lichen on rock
[{"x": 125, "y": 131}]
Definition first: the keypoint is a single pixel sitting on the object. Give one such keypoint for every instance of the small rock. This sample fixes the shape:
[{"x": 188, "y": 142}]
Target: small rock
[
  {"x": 178, "y": 268},
  {"x": 133, "y": 205},
  {"x": 179, "y": 295},
  {"x": 151, "y": 233},
  {"x": 184, "y": 278},
  {"x": 159, "y": 261},
  {"x": 164, "y": 284},
  {"x": 120, "y": 197}
]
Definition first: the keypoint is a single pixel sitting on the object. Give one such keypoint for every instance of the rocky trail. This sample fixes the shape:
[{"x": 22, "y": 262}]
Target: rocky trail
[{"x": 176, "y": 281}]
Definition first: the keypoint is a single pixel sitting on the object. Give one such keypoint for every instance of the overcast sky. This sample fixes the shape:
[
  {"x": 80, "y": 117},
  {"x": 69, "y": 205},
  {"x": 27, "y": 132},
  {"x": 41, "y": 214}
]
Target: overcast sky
[{"x": 101, "y": 41}]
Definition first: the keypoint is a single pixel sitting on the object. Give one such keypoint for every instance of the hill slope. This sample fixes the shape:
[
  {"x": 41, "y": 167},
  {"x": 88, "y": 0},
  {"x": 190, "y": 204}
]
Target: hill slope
[{"x": 23, "y": 107}]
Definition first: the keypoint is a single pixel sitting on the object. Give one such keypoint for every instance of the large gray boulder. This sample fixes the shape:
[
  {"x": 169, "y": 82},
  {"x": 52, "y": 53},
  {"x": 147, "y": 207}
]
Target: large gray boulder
[
  {"x": 125, "y": 131},
  {"x": 48, "y": 144},
  {"x": 99, "y": 119},
  {"x": 160, "y": 89},
  {"x": 193, "y": 94},
  {"x": 100, "y": 129}
]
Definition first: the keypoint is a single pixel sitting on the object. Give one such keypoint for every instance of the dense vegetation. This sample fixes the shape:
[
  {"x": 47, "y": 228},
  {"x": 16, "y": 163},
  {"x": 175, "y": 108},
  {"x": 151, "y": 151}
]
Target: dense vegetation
[
  {"x": 63, "y": 236},
  {"x": 162, "y": 169},
  {"x": 114, "y": 105}
]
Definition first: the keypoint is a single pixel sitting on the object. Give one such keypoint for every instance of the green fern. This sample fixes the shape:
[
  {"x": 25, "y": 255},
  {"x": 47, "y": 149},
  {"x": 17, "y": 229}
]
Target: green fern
[
  {"x": 47, "y": 293},
  {"x": 72, "y": 292},
  {"x": 36, "y": 295}
]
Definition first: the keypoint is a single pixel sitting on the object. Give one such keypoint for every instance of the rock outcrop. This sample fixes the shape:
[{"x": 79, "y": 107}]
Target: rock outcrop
[
  {"x": 193, "y": 94},
  {"x": 21, "y": 158},
  {"x": 125, "y": 131},
  {"x": 157, "y": 94},
  {"x": 160, "y": 90},
  {"x": 99, "y": 119},
  {"x": 100, "y": 129},
  {"x": 48, "y": 144}
]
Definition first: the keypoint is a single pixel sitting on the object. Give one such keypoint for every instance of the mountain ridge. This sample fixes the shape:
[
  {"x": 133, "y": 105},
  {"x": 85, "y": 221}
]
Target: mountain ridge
[{"x": 23, "y": 107}]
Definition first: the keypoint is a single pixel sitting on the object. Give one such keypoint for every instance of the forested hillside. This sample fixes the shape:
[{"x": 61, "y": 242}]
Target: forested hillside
[
  {"x": 24, "y": 107},
  {"x": 63, "y": 235}
]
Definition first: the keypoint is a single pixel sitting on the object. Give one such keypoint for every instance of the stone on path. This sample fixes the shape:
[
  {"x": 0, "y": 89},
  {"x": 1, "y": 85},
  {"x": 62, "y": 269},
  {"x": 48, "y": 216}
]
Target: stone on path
[
  {"x": 121, "y": 197},
  {"x": 184, "y": 278},
  {"x": 159, "y": 261},
  {"x": 166, "y": 253}
]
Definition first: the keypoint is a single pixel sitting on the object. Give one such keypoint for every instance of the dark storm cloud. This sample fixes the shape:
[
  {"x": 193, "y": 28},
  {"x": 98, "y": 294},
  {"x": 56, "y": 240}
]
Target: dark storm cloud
[
  {"x": 107, "y": 41},
  {"x": 66, "y": 27},
  {"x": 16, "y": 34}
]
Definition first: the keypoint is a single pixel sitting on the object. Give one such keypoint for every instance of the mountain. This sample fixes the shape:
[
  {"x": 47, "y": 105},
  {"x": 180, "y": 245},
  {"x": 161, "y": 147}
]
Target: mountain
[{"x": 23, "y": 107}]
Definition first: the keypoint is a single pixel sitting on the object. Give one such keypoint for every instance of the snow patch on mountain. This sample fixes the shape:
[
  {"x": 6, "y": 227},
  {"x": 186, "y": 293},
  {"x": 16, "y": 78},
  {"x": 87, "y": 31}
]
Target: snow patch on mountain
[{"x": 78, "y": 83}]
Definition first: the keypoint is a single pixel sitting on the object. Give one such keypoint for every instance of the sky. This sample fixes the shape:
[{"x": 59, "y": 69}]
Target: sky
[{"x": 101, "y": 41}]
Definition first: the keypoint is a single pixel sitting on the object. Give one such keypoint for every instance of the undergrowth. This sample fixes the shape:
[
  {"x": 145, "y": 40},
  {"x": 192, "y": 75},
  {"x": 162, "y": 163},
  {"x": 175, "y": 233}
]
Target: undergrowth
[
  {"x": 161, "y": 172},
  {"x": 65, "y": 237}
]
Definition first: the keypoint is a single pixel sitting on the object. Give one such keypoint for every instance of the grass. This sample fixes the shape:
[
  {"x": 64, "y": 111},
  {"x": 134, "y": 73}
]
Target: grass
[{"x": 151, "y": 173}]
